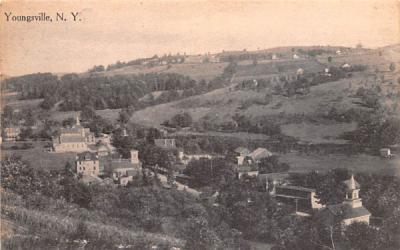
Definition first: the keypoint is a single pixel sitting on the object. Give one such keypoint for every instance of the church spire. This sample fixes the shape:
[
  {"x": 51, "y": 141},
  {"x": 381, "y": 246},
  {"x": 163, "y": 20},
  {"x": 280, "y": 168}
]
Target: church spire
[{"x": 352, "y": 183}]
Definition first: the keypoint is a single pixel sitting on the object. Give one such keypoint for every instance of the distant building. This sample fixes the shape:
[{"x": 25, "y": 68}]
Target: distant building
[
  {"x": 87, "y": 163},
  {"x": 300, "y": 71},
  {"x": 274, "y": 57},
  {"x": 250, "y": 170},
  {"x": 241, "y": 152},
  {"x": 257, "y": 155},
  {"x": 121, "y": 170},
  {"x": 385, "y": 152},
  {"x": 303, "y": 198},
  {"x": 351, "y": 210},
  {"x": 295, "y": 56},
  {"x": 12, "y": 133},
  {"x": 165, "y": 143},
  {"x": 74, "y": 139},
  {"x": 346, "y": 66},
  {"x": 186, "y": 158}
]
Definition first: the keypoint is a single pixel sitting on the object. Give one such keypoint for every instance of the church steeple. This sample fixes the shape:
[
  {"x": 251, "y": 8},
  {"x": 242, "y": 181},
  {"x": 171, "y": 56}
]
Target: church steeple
[{"x": 352, "y": 193}]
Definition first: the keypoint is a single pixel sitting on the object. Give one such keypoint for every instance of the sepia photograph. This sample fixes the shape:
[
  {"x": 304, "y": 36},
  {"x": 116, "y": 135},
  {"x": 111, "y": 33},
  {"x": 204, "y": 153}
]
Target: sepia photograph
[{"x": 200, "y": 124}]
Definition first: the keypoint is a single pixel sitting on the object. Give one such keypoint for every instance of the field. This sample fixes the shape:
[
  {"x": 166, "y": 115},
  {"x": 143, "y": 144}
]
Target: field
[
  {"x": 37, "y": 157},
  {"x": 278, "y": 66},
  {"x": 206, "y": 71},
  {"x": 219, "y": 106},
  {"x": 357, "y": 163},
  {"x": 109, "y": 114},
  {"x": 318, "y": 133}
]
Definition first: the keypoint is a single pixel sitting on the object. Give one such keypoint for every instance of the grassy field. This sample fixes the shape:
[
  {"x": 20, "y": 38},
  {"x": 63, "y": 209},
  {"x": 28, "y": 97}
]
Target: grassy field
[
  {"x": 38, "y": 158},
  {"x": 358, "y": 163},
  {"x": 318, "y": 133},
  {"x": 278, "y": 66},
  {"x": 206, "y": 71},
  {"x": 219, "y": 106},
  {"x": 109, "y": 114}
]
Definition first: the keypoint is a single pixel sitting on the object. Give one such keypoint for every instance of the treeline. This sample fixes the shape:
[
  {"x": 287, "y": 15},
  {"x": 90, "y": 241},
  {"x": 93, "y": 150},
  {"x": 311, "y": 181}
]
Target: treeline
[
  {"x": 152, "y": 61},
  {"x": 73, "y": 92}
]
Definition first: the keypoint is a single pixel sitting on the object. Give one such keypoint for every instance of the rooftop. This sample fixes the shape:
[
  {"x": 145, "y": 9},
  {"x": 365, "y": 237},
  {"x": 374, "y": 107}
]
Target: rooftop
[
  {"x": 351, "y": 184},
  {"x": 87, "y": 156},
  {"x": 297, "y": 188},
  {"x": 347, "y": 212},
  {"x": 260, "y": 153},
  {"x": 242, "y": 150}
]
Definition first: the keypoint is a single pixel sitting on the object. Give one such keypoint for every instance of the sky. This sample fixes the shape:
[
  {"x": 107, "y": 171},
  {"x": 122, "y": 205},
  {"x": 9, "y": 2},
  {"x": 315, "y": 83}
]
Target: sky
[{"x": 125, "y": 30}]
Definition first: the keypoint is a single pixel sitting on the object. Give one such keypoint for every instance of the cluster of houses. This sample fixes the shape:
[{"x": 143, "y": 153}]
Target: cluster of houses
[
  {"x": 304, "y": 199},
  {"x": 97, "y": 161},
  {"x": 96, "y": 158}
]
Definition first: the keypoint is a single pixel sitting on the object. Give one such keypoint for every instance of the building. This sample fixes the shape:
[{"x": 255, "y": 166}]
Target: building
[
  {"x": 300, "y": 71},
  {"x": 241, "y": 153},
  {"x": 257, "y": 155},
  {"x": 346, "y": 66},
  {"x": 87, "y": 163},
  {"x": 122, "y": 171},
  {"x": 186, "y": 158},
  {"x": 304, "y": 199},
  {"x": 385, "y": 152},
  {"x": 12, "y": 133},
  {"x": 351, "y": 209},
  {"x": 74, "y": 139},
  {"x": 249, "y": 170},
  {"x": 166, "y": 143},
  {"x": 295, "y": 56}
]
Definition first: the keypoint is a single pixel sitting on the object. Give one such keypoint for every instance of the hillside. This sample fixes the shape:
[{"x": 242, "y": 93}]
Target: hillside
[{"x": 220, "y": 105}]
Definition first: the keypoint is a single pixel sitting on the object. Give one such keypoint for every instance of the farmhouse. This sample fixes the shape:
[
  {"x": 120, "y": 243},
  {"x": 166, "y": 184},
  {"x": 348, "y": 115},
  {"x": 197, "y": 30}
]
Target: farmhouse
[
  {"x": 351, "y": 210},
  {"x": 87, "y": 163},
  {"x": 245, "y": 157},
  {"x": 74, "y": 139}
]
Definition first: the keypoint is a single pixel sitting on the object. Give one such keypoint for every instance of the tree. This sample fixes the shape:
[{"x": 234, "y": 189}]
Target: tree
[
  {"x": 392, "y": 67},
  {"x": 8, "y": 115},
  {"x": 155, "y": 157},
  {"x": 359, "y": 236},
  {"x": 272, "y": 165},
  {"x": 181, "y": 120},
  {"x": 123, "y": 117},
  {"x": 329, "y": 59},
  {"x": 88, "y": 113},
  {"x": 26, "y": 133},
  {"x": 205, "y": 172},
  {"x": 68, "y": 122}
]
